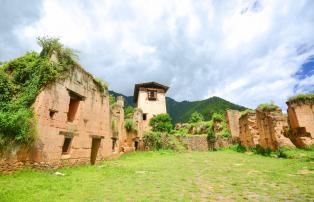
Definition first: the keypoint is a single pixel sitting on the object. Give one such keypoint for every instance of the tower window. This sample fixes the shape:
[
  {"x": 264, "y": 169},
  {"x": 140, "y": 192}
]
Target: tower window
[{"x": 152, "y": 95}]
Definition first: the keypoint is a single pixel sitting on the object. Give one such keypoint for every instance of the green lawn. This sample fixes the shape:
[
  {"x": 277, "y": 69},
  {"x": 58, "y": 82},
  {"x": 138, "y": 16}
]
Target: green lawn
[{"x": 169, "y": 176}]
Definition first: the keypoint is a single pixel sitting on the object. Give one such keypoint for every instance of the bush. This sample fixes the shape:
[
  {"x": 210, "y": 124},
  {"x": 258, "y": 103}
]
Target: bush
[
  {"x": 130, "y": 125},
  {"x": 112, "y": 99},
  {"x": 128, "y": 112},
  {"x": 211, "y": 137},
  {"x": 159, "y": 140},
  {"x": 269, "y": 107},
  {"x": 218, "y": 117},
  {"x": 161, "y": 123},
  {"x": 302, "y": 98},
  {"x": 196, "y": 117},
  {"x": 245, "y": 112}
]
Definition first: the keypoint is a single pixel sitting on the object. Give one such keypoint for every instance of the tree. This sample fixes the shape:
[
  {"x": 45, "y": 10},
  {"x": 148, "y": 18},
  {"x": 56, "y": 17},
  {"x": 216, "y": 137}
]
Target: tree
[
  {"x": 196, "y": 117},
  {"x": 161, "y": 123}
]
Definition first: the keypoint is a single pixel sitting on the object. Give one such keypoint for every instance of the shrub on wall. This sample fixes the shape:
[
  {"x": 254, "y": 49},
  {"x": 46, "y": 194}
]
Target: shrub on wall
[
  {"x": 158, "y": 140},
  {"x": 161, "y": 123},
  {"x": 130, "y": 125},
  {"x": 21, "y": 80},
  {"x": 196, "y": 117},
  {"x": 128, "y": 112}
]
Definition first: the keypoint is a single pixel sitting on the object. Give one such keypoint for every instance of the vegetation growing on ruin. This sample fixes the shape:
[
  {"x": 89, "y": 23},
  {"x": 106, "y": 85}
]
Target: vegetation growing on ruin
[
  {"x": 112, "y": 100},
  {"x": 245, "y": 112},
  {"x": 128, "y": 112},
  {"x": 102, "y": 85},
  {"x": 161, "y": 123},
  {"x": 268, "y": 107},
  {"x": 130, "y": 125},
  {"x": 21, "y": 80},
  {"x": 162, "y": 140},
  {"x": 224, "y": 131},
  {"x": 302, "y": 98}
]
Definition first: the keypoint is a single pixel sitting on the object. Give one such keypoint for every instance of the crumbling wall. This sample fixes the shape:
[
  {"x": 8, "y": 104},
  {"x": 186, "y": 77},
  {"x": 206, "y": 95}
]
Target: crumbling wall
[
  {"x": 119, "y": 134},
  {"x": 232, "y": 117},
  {"x": 301, "y": 122},
  {"x": 195, "y": 142},
  {"x": 249, "y": 135},
  {"x": 91, "y": 120},
  {"x": 271, "y": 127},
  {"x": 201, "y": 143}
]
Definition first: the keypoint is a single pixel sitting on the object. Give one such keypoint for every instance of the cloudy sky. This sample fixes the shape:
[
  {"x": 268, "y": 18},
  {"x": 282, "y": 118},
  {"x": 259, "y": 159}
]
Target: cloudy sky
[{"x": 247, "y": 52}]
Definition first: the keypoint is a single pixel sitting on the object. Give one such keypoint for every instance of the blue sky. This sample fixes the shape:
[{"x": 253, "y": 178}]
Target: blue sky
[{"x": 247, "y": 52}]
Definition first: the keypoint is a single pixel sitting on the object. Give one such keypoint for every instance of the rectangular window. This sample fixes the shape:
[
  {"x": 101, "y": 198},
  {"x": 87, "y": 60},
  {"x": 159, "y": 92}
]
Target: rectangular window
[
  {"x": 152, "y": 95},
  {"x": 66, "y": 145},
  {"x": 73, "y": 107}
]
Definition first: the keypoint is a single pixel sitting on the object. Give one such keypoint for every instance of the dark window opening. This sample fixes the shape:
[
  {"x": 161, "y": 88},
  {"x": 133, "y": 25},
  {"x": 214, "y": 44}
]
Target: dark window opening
[
  {"x": 152, "y": 95},
  {"x": 52, "y": 113},
  {"x": 66, "y": 145},
  {"x": 114, "y": 142},
  {"x": 144, "y": 117}
]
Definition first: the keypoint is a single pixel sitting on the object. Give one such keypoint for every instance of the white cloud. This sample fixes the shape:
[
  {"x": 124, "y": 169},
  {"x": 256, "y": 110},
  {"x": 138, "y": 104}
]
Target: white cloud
[{"x": 244, "y": 51}]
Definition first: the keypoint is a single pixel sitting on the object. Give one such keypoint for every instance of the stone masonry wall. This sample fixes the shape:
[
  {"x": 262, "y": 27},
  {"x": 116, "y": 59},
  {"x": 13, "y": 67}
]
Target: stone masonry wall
[
  {"x": 271, "y": 126},
  {"x": 200, "y": 142},
  {"x": 233, "y": 117},
  {"x": 301, "y": 122},
  {"x": 89, "y": 121},
  {"x": 249, "y": 136}
]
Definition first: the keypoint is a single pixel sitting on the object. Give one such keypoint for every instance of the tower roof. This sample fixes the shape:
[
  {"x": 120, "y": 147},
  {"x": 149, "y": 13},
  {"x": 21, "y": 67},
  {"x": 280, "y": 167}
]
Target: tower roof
[{"x": 148, "y": 85}]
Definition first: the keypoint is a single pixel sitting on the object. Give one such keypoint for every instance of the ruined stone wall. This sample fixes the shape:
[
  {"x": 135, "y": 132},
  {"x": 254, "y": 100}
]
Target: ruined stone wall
[
  {"x": 232, "y": 117},
  {"x": 119, "y": 136},
  {"x": 200, "y": 142},
  {"x": 195, "y": 142},
  {"x": 91, "y": 120},
  {"x": 301, "y": 122},
  {"x": 271, "y": 127},
  {"x": 249, "y": 136}
]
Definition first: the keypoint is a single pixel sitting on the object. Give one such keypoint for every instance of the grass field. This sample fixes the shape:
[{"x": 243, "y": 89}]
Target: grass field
[{"x": 169, "y": 176}]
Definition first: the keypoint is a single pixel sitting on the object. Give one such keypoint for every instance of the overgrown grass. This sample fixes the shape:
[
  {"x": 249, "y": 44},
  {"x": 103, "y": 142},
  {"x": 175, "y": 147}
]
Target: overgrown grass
[
  {"x": 302, "y": 98},
  {"x": 169, "y": 176},
  {"x": 269, "y": 107}
]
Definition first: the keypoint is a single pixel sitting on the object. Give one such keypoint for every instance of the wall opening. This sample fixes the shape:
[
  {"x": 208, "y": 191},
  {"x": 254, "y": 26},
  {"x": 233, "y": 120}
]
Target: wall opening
[
  {"x": 73, "y": 105},
  {"x": 94, "y": 150},
  {"x": 66, "y": 145},
  {"x": 52, "y": 113},
  {"x": 144, "y": 117},
  {"x": 114, "y": 143},
  {"x": 136, "y": 145}
]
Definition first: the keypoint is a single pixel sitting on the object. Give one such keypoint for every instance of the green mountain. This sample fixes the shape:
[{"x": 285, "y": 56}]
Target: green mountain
[{"x": 181, "y": 111}]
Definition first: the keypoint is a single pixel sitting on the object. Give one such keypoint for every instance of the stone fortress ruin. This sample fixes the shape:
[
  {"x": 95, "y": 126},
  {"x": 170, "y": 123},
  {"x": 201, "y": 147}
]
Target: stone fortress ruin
[
  {"x": 271, "y": 129},
  {"x": 76, "y": 124}
]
